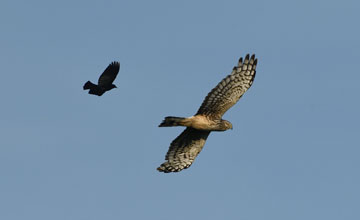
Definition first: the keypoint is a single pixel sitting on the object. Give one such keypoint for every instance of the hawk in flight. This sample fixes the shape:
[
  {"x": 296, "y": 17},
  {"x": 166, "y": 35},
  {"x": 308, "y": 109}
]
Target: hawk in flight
[
  {"x": 105, "y": 82},
  {"x": 184, "y": 149}
]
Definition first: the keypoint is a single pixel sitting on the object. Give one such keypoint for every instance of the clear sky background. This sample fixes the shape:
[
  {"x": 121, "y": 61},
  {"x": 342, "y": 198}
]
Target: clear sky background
[{"x": 66, "y": 155}]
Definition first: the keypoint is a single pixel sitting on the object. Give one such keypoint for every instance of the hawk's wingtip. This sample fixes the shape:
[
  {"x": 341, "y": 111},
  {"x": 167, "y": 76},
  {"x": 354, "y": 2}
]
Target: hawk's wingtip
[{"x": 162, "y": 169}]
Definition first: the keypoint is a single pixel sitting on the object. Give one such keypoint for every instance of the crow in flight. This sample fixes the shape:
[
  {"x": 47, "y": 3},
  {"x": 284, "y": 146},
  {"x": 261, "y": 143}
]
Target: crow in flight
[{"x": 105, "y": 80}]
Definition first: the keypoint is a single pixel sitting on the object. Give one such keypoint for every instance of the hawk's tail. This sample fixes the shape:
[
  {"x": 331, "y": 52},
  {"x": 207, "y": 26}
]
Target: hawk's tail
[
  {"x": 175, "y": 121},
  {"x": 89, "y": 85}
]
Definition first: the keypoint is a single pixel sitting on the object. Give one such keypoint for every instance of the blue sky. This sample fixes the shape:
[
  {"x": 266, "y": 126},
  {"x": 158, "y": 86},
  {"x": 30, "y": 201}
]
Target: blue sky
[{"x": 293, "y": 152}]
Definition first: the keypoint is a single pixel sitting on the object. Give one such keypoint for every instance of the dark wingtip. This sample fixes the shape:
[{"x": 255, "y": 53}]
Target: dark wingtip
[
  {"x": 115, "y": 63},
  {"x": 160, "y": 169}
]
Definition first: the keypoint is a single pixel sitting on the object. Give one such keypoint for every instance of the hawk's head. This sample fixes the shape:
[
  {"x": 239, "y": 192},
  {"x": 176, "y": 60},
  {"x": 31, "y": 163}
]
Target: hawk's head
[{"x": 225, "y": 125}]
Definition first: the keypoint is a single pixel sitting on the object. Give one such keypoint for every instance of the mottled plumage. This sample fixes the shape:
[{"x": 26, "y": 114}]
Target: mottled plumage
[
  {"x": 184, "y": 149},
  {"x": 105, "y": 82}
]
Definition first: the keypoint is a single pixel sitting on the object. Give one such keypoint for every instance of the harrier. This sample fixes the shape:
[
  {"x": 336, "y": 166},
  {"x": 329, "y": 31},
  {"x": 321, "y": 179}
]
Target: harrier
[
  {"x": 184, "y": 149},
  {"x": 105, "y": 82}
]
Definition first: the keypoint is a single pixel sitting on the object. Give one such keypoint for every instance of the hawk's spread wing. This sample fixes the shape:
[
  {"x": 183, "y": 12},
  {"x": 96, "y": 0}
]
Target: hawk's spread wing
[
  {"x": 183, "y": 150},
  {"x": 109, "y": 74},
  {"x": 230, "y": 89}
]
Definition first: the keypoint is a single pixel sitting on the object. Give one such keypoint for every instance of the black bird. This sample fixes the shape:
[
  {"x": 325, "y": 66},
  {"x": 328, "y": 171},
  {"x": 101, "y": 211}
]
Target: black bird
[{"x": 105, "y": 80}]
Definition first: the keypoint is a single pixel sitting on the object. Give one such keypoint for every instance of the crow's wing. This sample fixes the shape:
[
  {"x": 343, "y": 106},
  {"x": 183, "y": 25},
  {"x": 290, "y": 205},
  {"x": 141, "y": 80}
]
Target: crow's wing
[{"x": 109, "y": 75}]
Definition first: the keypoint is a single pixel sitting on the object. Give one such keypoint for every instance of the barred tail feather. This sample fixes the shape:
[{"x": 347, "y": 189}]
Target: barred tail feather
[{"x": 175, "y": 121}]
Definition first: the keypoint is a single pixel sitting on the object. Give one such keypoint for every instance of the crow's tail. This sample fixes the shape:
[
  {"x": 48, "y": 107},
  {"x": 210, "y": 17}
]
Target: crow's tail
[{"x": 89, "y": 85}]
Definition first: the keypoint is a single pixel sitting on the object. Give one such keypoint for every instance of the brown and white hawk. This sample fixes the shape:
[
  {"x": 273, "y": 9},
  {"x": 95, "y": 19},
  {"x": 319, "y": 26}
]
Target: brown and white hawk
[{"x": 184, "y": 149}]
